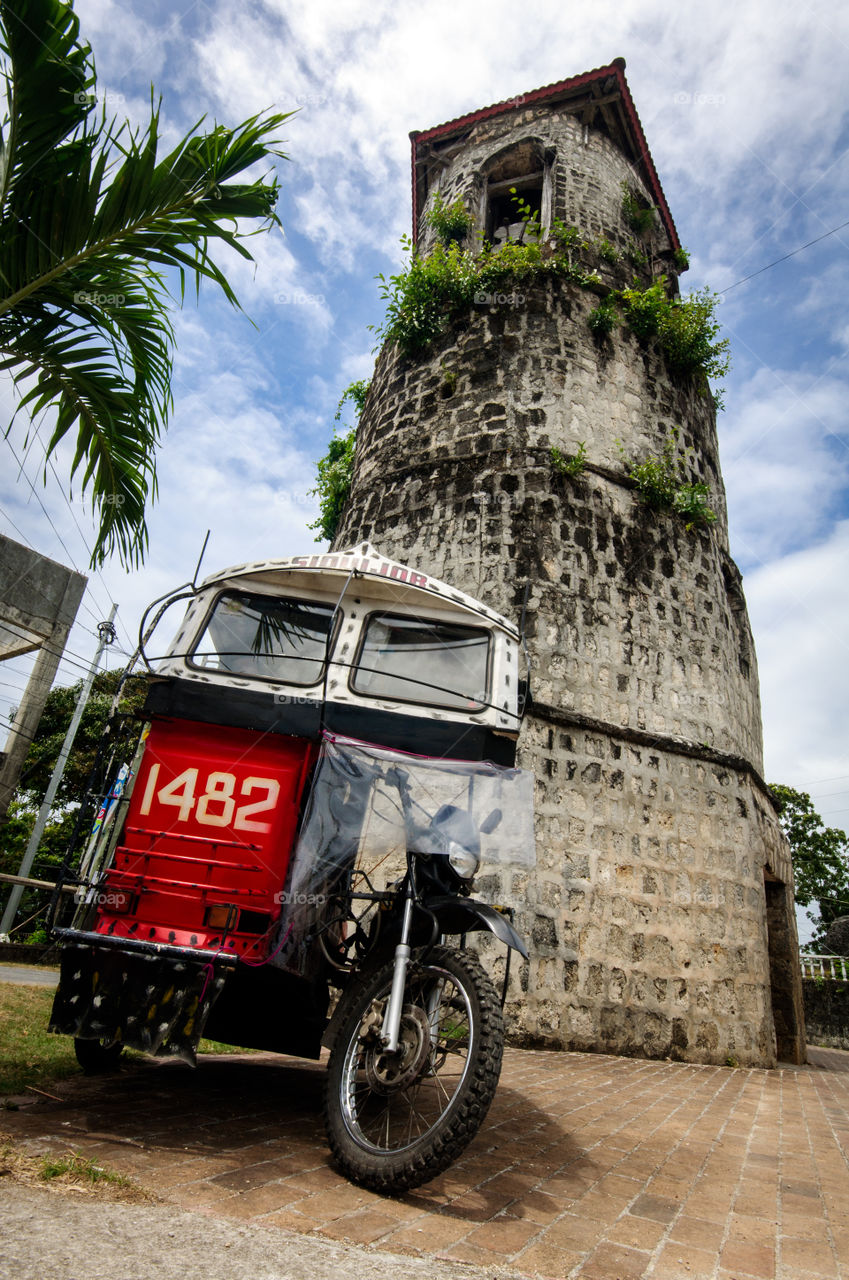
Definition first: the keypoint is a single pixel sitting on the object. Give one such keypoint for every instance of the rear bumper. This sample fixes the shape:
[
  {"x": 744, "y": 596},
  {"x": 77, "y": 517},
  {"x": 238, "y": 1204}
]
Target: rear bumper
[
  {"x": 147, "y": 996},
  {"x": 137, "y": 946}
]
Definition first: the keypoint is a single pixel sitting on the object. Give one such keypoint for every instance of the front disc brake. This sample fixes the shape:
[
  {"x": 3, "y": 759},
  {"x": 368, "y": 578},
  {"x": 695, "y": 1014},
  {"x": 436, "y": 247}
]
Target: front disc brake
[{"x": 390, "y": 1072}]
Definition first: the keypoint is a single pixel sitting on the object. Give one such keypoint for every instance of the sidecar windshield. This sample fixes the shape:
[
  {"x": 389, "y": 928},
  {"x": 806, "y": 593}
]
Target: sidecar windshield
[
  {"x": 409, "y": 659},
  {"x": 265, "y": 638}
]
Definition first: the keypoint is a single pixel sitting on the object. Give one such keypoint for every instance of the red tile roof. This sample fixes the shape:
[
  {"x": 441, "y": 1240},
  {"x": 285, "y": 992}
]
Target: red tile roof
[{"x": 629, "y": 121}]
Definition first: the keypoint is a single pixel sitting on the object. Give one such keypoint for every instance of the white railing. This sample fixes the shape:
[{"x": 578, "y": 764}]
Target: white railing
[{"x": 834, "y": 967}]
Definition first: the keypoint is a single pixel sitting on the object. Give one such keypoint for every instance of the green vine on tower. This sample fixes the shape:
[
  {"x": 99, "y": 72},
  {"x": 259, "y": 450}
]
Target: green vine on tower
[
  {"x": 431, "y": 293},
  {"x": 336, "y": 469}
]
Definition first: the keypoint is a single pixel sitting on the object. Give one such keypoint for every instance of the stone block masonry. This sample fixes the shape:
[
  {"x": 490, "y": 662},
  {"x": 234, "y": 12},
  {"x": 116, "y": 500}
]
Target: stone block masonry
[{"x": 659, "y": 914}]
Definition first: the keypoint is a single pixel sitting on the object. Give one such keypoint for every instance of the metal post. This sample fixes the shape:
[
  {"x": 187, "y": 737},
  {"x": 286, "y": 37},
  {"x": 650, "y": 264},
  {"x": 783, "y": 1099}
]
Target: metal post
[{"x": 106, "y": 632}]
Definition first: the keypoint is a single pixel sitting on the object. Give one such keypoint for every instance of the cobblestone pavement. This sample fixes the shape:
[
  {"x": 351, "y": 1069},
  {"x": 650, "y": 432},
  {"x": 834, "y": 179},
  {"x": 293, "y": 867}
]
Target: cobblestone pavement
[{"x": 588, "y": 1166}]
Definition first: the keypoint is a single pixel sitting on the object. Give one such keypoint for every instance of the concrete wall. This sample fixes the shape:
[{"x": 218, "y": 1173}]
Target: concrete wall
[
  {"x": 38, "y": 603},
  {"x": 827, "y": 1012}
]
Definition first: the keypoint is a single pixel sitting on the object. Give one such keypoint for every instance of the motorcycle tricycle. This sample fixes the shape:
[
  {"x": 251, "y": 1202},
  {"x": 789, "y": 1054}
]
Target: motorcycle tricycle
[{"x": 276, "y": 853}]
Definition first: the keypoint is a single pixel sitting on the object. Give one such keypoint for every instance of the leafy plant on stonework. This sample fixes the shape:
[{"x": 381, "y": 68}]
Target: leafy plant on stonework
[
  {"x": 660, "y": 484},
  {"x": 450, "y": 222},
  {"x": 570, "y": 464},
  {"x": 335, "y": 470},
  {"x": 603, "y": 319},
  {"x": 357, "y": 393},
  {"x": 607, "y": 251},
  {"x": 637, "y": 257},
  {"x": 423, "y": 300},
  {"x": 680, "y": 259},
  {"x": 449, "y": 380},
  {"x": 685, "y": 328},
  {"x": 639, "y": 215},
  {"x": 567, "y": 238},
  {"x": 528, "y": 215}
]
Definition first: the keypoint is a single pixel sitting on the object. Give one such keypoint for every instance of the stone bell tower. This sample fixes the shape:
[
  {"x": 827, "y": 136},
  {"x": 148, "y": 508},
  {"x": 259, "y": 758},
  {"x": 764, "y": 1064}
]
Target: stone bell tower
[{"x": 660, "y": 912}]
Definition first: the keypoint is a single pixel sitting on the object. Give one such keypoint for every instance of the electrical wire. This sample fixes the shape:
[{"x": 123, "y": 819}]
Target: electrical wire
[
  {"x": 791, "y": 254},
  {"x": 48, "y": 461},
  {"x": 96, "y": 617},
  {"x": 37, "y": 497}
]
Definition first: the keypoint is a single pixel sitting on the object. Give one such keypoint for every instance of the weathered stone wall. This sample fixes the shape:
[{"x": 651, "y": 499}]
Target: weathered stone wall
[
  {"x": 642, "y": 622},
  {"x": 646, "y": 912},
  {"x": 587, "y": 172}
]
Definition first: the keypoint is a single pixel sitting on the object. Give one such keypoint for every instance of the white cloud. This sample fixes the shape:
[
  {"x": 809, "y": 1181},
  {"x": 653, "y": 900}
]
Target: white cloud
[
  {"x": 785, "y": 460},
  {"x": 800, "y": 614}
]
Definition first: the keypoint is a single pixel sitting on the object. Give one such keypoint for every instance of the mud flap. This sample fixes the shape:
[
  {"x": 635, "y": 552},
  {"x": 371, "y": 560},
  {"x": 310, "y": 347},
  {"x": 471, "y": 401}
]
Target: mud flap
[{"x": 155, "y": 1003}]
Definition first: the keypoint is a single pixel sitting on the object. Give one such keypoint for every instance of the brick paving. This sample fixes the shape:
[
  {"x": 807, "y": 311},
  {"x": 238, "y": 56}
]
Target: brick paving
[{"x": 588, "y": 1166}]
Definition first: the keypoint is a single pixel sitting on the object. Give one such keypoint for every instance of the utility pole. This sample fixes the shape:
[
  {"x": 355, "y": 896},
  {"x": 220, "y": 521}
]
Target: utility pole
[{"x": 106, "y": 633}]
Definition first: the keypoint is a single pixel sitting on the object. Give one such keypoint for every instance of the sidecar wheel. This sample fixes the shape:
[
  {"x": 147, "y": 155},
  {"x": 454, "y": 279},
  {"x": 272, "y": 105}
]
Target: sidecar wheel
[
  {"x": 397, "y": 1120},
  {"x": 98, "y": 1057}
]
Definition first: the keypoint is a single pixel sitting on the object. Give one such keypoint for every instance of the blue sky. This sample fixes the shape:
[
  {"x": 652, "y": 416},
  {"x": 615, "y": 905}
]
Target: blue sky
[{"x": 745, "y": 111}]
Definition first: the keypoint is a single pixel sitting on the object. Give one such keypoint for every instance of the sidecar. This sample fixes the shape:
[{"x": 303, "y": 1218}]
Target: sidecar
[{"x": 183, "y": 921}]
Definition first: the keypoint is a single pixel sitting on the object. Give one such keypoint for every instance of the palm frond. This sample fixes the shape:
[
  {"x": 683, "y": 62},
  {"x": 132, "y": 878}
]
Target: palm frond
[
  {"x": 50, "y": 74},
  {"x": 60, "y": 362},
  {"x": 91, "y": 223}
]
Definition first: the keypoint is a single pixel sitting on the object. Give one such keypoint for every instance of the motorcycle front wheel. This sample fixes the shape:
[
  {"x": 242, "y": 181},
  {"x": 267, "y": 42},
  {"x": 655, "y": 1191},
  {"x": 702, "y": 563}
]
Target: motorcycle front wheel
[{"x": 396, "y": 1120}]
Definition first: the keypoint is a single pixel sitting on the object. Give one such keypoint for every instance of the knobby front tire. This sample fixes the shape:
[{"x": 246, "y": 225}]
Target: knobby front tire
[{"x": 394, "y": 1121}]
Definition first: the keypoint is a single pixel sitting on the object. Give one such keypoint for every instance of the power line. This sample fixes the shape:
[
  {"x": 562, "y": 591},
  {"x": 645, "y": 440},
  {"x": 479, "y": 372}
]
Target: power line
[
  {"x": 37, "y": 497},
  {"x": 48, "y": 462},
  {"x": 98, "y": 571},
  {"x": 100, "y": 613},
  {"x": 792, "y": 254}
]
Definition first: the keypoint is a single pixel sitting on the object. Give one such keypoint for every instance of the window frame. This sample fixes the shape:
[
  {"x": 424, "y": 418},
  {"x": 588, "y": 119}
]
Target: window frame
[
  {"x": 325, "y": 661},
  {"x": 480, "y": 709}
]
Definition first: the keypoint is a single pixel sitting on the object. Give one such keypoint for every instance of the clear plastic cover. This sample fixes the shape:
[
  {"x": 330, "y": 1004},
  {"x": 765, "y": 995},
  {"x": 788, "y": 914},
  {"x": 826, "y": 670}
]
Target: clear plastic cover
[{"x": 369, "y": 804}]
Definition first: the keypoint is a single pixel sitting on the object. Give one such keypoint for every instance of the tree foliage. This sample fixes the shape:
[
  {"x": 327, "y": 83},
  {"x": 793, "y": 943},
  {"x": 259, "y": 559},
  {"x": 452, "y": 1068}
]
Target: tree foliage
[
  {"x": 91, "y": 220},
  {"x": 820, "y": 859},
  {"x": 53, "y": 725},
  {"x": 38, "y": 767}
]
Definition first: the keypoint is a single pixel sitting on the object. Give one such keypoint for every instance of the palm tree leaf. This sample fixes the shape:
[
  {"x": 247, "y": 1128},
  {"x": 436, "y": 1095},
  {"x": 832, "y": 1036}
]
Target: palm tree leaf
[
  {"x": 74, "y": 370},
  {"x": 49, "y": 80},
  {"x": 92, "y": 223}
]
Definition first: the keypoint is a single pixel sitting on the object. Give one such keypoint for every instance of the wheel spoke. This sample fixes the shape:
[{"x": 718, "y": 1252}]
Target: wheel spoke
[
  {"x": 388, "y": 1112},
  {"x": 395, "y": 1120}
]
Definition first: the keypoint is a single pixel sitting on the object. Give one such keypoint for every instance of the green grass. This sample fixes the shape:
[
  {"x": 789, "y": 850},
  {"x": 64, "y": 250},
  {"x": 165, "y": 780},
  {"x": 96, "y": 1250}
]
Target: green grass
[
  {"x": 76, "y": 1168},
  {"x": 70, "y": 1169},
  {"x": 32, "y": 1057},
  {"x": 29, "y": 1055}
]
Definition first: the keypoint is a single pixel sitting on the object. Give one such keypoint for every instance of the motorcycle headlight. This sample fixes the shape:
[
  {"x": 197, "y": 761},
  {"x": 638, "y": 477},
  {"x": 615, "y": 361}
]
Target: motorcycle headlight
[{"x": 462, "y": 860}]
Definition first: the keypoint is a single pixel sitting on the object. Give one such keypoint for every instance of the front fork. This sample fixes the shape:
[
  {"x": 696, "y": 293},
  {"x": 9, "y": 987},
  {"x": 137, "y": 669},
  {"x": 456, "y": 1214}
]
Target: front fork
[{"x": 391, "y": 1028}]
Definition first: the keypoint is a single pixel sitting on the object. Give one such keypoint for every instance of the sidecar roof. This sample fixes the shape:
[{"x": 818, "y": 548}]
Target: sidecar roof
[{"x": 363, "y": 562}]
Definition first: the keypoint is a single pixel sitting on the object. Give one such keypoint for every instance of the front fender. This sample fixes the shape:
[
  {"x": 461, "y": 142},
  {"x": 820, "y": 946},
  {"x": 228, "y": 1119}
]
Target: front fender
[{"x": 465, "y": 915}]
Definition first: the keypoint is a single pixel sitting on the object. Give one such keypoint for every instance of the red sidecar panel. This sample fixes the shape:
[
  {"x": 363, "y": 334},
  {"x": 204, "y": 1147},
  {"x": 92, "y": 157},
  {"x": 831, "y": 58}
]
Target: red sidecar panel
[{"x": 211, "y": 825}]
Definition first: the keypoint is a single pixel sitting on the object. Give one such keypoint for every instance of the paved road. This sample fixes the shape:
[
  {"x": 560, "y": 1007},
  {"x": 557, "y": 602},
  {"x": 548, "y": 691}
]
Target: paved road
[
  {"x": 45, "y": 1235},
  {"x": 29, "y": 975},
  {"x": 587, "y": 1166}
]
